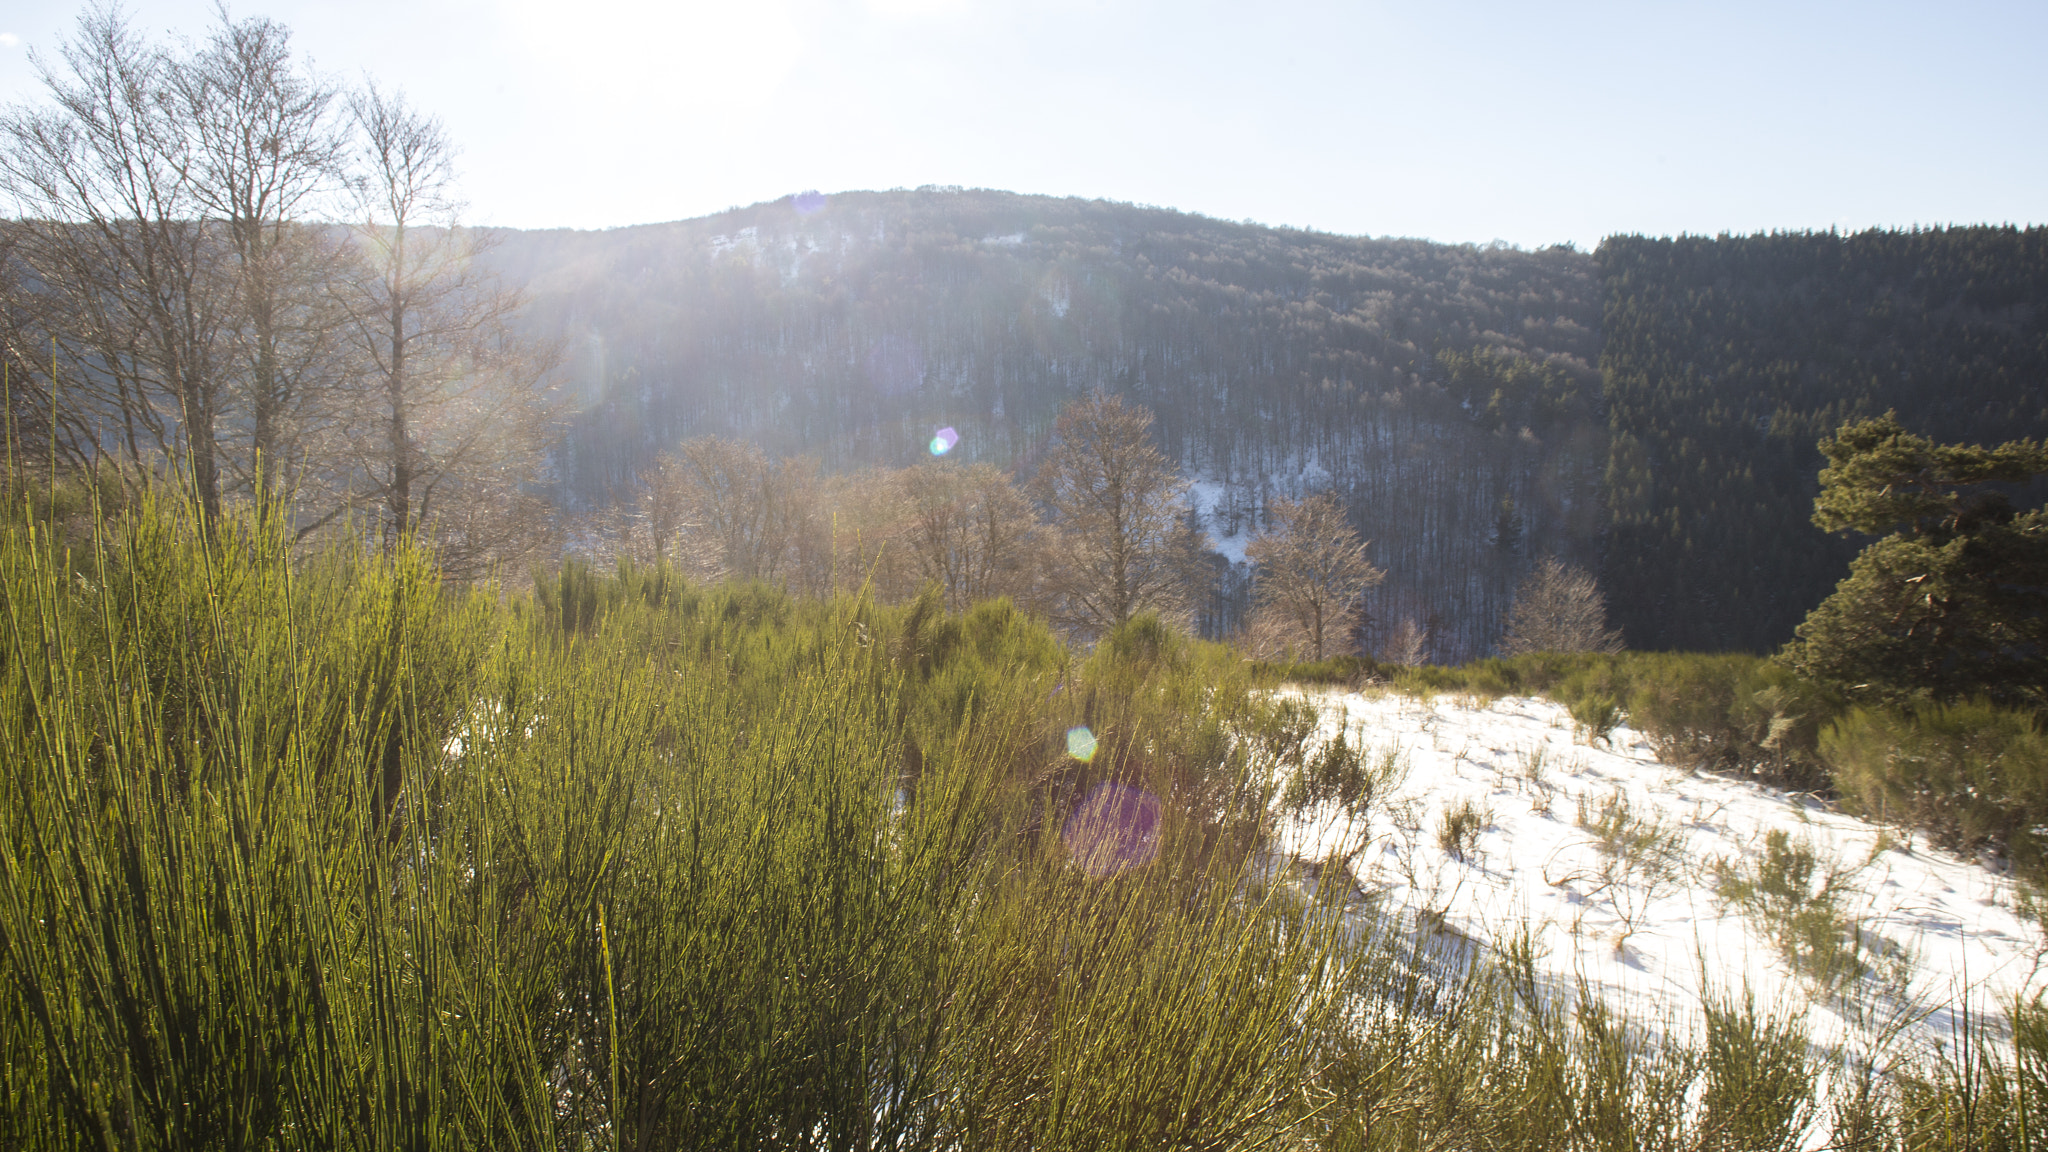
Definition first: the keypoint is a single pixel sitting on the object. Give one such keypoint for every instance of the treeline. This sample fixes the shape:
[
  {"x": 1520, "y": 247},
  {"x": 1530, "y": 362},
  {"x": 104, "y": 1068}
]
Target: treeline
[
  {"x": 223, "y": 267},
  {"x": 1098, "y": 536},
  {"x": 1441, "y": 392},
  {"x": 1727, "y": 359},
  {"x": 1445, "y": 394}
]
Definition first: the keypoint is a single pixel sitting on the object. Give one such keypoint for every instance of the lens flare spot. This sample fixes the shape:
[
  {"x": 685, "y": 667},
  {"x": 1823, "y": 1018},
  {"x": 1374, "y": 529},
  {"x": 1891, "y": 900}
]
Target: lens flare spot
[
  {"x": 1081, "y": 744},
  {"x": 808, "y": 202},
  {"x": 1113, "y": 828},
  {"x": 943, "y": 441}
]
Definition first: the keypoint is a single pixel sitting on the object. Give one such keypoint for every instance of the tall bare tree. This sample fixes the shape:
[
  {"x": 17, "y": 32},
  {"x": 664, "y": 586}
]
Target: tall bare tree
[
  {"x": 1114, "y": 502},
  {"x": 1558, "y": 608},
  {"x": 134, "y": 288},
  {"x": 267, "y": 147},
  {"x": 455, "y": 418},
  {"x": 1311, "y": 571}
]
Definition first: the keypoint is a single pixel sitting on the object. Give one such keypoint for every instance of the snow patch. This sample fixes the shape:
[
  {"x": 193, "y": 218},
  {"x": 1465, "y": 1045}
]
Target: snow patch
[
  {"x": 1933, "y": 932},
  {"x": 1206, "y": 497},
  {"x": 748, "y": 238}
]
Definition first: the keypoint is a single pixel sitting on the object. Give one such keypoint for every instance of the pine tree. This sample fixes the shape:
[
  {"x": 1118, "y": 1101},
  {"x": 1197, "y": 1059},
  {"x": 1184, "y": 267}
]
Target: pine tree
[{"x": 1952, "y": 601}]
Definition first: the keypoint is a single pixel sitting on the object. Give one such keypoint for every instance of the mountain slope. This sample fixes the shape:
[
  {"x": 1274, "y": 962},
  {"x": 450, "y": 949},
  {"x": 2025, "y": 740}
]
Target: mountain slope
[
  {"x": 1448, "y": 393},
  {"x": 1727, "y": 359},
  {"x": 1275, "y": 361}
]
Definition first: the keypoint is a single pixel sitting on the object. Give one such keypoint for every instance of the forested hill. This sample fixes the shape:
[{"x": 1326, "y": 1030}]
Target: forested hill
[
  {"x": 1449, "y": 392},
  {"x": 1651, "y": 409},
  {"x": 1727, "y": 359}
]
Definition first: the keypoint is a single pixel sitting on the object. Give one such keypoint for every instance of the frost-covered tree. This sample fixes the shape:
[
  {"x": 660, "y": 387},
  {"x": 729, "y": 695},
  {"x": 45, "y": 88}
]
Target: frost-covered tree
[
  {"x": 1311, "y": 571},
  {"x": 1558, "y": 608}
]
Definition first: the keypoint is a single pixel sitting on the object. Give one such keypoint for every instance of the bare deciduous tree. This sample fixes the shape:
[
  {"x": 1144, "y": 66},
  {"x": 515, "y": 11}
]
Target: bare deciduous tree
[
  {"x": 201, "y": 320},
  {"x": 662, "y": 510},
  {"x": 1311, "y": 571},
  {"x": 133, "y": 285},
  {"x": 454, "y": 421},
  {"x": 1408, "y": 644},
  {"x": 265, "y": 147},
  {"x": 867, "y": 518},
  {"x": 972, "y": 531},
  {"x": 1558, "y": 608},
  {"x": 1115, "y": 501},
  {"x": 725, "y": 510}
]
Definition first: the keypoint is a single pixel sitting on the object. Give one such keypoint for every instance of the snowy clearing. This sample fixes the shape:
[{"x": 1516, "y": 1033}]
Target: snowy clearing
[{"x": 1651, "y": 884}]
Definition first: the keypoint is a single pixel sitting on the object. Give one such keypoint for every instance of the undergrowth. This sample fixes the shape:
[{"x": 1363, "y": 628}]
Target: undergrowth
[{"x": 309, "y": 851}]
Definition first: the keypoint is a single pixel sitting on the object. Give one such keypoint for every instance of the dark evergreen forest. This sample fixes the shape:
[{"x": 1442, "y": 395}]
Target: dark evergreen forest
[
  {"x": 1727, "y": 359},
  {"x": 1649, "y": 410}
]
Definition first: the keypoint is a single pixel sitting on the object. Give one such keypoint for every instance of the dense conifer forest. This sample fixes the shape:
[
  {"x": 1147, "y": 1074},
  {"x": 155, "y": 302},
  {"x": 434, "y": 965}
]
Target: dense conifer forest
[{"x": 1726, "y": 361}]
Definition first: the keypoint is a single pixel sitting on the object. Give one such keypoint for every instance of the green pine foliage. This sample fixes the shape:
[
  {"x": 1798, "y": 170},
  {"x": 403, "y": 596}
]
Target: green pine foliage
[{"x": 1952, "y": 602}]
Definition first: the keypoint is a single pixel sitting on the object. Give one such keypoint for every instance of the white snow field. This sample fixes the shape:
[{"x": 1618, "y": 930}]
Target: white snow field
[{"x": 1650, "y": 922}]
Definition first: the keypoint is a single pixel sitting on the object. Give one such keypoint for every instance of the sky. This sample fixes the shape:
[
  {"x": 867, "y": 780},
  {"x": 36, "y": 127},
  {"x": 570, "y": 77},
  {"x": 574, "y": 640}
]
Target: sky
[{"x": 1459, "y": 122}]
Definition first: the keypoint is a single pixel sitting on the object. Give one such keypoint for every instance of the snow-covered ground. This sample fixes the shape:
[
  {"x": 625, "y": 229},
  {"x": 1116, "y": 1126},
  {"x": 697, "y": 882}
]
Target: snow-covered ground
[{"x": 1650, "y": 926}]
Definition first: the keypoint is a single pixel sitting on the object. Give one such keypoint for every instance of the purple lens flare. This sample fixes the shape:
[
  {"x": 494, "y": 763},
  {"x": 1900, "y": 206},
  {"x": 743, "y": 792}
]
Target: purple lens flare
[{"x": 1115, "y": 827}]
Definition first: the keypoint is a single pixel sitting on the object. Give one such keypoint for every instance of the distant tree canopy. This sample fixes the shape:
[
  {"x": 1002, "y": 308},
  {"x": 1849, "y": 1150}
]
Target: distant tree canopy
[{"x": 1952, "y": 602}]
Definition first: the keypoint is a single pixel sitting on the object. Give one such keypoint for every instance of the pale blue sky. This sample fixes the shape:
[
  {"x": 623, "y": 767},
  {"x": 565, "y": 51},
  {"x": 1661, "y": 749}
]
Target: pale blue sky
[{"x": 1534, "y": 123}]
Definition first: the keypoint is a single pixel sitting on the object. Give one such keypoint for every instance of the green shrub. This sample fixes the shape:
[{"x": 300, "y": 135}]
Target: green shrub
[
  {"x": 1798, "y": 897},
  {"x": 1760, "y": 1077},
  {"x": 1971, "y": 775},
  {"x": 308, "y": 852},
  {"x": 1595, "y": 715},
  {"x": 1723, "y": 713},
  {"x": 1459, "y": 829}
]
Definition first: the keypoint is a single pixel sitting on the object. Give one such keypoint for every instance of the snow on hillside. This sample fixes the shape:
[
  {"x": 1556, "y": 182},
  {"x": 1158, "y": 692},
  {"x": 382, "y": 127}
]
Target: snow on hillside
[
  {"x": 1295, "y": 478},
  {"x": 1206, "y": 497},
  {"x": 1650, "y": 922}
]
